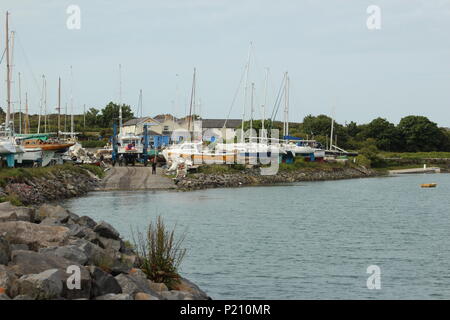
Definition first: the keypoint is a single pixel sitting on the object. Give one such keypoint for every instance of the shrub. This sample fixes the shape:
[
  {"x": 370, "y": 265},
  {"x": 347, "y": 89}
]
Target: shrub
[{"x": 159, "y": 253}]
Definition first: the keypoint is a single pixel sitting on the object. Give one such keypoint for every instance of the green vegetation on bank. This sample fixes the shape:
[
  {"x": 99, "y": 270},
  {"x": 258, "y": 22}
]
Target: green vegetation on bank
[{"x": 18, "y": 174}]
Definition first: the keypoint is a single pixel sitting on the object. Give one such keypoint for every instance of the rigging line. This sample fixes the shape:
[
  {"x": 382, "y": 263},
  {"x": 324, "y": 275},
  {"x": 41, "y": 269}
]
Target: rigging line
[
  {"x": 277, "y": 101},
  {"x": 36, "y": 83},
  {"x": 3, "y": 55},
  {"x": 234, "y": 98}
]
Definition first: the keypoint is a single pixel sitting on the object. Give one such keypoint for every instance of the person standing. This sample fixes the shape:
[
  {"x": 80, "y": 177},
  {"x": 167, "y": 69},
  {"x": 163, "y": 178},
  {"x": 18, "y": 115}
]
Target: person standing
[{"x": 154, "y": 166}]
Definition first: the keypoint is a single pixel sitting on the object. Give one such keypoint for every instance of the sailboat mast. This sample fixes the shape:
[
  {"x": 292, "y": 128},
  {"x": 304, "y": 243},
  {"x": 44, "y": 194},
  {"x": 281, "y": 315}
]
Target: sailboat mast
[
  {"x": 59, "y": 105},
  {"x": 45, "y": 104},
  {"x": 20, "y": 105},
  {"x": 251, "y": 110},
  {"x": 27, "y": 123},
  {"x": 40, "y": 105},
  {"x": 71, "y": 103},
  {"x": 140, "y": 104},
  {"x": 247, "y": 67},
  {"x": 264, "y": 105},
  {"x": 8, "y": 74},
  {"x": 120, "y": 98},
  {"x": 192, "y": 105}
]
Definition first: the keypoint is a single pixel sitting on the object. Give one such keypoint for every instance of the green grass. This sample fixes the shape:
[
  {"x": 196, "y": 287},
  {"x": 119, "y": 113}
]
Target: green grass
[
  {"x": 415, "y": 155},
  {"x": 13, "y": 199},
  {"x": 93, "y": 143},
  {"x": 221, "y": 168},
  {"x": 302, "y": 164},
  {"x": 20, "y": 174}
]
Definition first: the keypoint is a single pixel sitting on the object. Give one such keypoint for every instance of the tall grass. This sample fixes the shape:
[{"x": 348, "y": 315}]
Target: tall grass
[
  {"x": 20, "y": 174},
  {"x": 160, "y": 253}
]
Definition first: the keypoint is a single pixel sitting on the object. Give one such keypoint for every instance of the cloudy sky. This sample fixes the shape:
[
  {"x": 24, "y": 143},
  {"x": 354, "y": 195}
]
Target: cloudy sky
[{"x": 333, "y": 59}]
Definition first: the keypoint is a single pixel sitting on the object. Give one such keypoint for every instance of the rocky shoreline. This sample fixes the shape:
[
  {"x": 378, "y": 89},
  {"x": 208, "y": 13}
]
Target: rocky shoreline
[
  {"x": 54, "y": 185},
  {"x": 252, "y": 177},
  {"x": 43, "y": 250}
]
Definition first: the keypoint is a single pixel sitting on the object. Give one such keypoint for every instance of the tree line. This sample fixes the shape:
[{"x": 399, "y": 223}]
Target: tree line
[{"x": 412, "y": 134}]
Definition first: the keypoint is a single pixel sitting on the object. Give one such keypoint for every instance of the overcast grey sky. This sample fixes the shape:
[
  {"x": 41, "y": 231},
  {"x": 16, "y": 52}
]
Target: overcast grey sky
[{"x": 331, "y": 56}]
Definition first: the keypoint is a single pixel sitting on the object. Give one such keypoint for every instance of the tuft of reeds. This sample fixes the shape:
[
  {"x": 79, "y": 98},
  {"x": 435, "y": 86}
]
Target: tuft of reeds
[{"x": 160, "y": 253}]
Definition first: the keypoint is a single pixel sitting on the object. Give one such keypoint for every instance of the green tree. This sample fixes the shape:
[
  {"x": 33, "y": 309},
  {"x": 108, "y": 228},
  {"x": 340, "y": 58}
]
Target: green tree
[
  {"x": 111, "y": 113},
  {"x": 92, "y": 117},
  {"x": 385, "y": 134},
  {"x": 420, "y": 134}
]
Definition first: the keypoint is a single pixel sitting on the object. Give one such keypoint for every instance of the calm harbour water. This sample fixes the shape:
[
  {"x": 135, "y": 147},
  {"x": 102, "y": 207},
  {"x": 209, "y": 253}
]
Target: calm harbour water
[{"x": 310, "y": 240}]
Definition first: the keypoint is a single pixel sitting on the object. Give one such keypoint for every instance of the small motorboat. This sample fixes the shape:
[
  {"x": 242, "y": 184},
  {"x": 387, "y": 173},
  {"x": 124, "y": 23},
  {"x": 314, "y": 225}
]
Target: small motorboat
[{"x": 428, "y": 185}]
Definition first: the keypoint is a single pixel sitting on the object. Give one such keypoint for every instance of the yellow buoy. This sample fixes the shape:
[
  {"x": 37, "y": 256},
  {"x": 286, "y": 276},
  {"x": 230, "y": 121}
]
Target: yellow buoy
[{"x": 428, "y": 185}]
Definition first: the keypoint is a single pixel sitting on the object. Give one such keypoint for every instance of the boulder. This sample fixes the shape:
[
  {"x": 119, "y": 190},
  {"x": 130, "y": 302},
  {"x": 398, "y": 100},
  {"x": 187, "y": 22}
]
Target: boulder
[
  {"x": 158, "y": 287},
  {"x": 109, "y": 244},
  {"x": 70, "y": 252},
  {"x": 57, "y": 212},
  {"x": 50, "y": 222},
  {"x": 15, "y": 247},
  {"x": 29, "y": 262},
  {"x": 86, "y": 222},
  {"x": 8, "y": 216},
  {"x": 133, "y": 285},
  {"x": 78, "y": 231},
  {"x": 43, "y": 286},
  {"x": 95, "y": 255},
  {"x": 187, "y": 286},
  {"x": 103, "y": 283},
  {"x": 25, "y": 213},
  {"x": 23, "y": 297},
  {"x": 112, "y": 296},
  {"x": 34, "y": 235},
  {"x": 7, "y": 281},
  {"x": 5, "y": 251},
  {"x": 8, "y": 212},
  {"x": 4, "y": 296},
  {"x": 144, "y": 296},
  {"x": 177, "y": 295},
  {"x": 106, "y": 230},
  {"x": 137, "y": 273}
]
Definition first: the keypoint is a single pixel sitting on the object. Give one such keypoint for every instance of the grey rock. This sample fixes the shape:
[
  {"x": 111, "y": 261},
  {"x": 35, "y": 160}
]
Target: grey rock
[
  {"x": 15, "y": 247},
  {"x": 43, "y": 286},
  {"x": 109, "y": 244},
  {"x": 94, "y": 253},
  {"x": 70, "y": 252},
  {"x": 5, "y": 250},
  {"x": 103, "y": 283},
  {"x": 133, "y": 285},
  {"x": 8, "y": 216},
  {"x": 23, "y": 297},
  {"x": 8, "y": 212},
  {"x": 56, "y": 212},
  {"x": 158, "y": 287},
  {"x": 78, "y": 231},
  {"x": 29, "y": 262},
  {"x": 106, "y": 230},
  {"x": 177, "y": 295},
  {"x": 50, "y": 222},
  {"x": 34, "y": 235},
  {"x": 4, "y": 296},
  {"x": 187, "y": 286},
  {"x": 8, "y": 281},
  {"x": 86, "y": 222},
  {"x": 144, "y": 296},
  {"x": 111, "y": 296}
]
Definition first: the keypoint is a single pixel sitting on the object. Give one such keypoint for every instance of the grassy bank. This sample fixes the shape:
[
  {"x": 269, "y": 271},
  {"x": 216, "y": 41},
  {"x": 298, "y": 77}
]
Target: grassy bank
[
  {"x": 19, "y": 174},
  {"x": 416, "y": 155}
]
